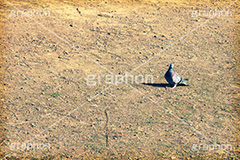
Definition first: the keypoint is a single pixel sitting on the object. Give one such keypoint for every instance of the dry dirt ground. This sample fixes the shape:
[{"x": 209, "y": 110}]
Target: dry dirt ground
[{"x": 45, "y": 62}]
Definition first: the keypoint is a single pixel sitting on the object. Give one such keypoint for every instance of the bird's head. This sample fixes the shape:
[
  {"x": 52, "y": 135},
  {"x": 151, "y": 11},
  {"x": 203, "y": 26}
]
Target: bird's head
[{"x": 171, "y": 65}]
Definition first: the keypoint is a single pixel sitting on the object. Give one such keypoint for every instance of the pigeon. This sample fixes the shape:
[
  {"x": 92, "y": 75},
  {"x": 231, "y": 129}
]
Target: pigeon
[{"x": 173, "y": 78}]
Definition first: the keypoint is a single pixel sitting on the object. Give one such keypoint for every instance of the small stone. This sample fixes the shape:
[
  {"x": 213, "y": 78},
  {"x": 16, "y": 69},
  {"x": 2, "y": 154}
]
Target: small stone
[
  {"x": 32, "y": 125},
  {"x": 79, "y": 11},
  {"x": 105, "y": 15},
  {"x": 89, "y": 99},
  {"x": 94, "y": 105},
  {"x": 165, "y": 122}
]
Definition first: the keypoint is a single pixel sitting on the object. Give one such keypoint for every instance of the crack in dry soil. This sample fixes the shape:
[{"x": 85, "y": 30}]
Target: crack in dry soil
[{"x": 106, "y": 128}]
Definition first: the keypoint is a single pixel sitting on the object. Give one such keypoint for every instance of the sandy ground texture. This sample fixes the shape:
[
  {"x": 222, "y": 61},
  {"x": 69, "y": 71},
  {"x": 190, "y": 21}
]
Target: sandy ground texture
[{"x": 50, "y": 111}]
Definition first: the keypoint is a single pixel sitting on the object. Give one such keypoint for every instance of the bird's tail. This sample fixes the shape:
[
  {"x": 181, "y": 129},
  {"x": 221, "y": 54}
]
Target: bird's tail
[{"x": 184, "y": 81}]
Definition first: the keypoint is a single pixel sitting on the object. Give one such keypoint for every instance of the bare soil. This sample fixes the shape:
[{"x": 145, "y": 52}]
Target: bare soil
[{"x": 45, "y": 61}]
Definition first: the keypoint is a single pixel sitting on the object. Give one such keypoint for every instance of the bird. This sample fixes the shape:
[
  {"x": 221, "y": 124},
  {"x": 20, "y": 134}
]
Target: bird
[{"x": 173, "y": 78}]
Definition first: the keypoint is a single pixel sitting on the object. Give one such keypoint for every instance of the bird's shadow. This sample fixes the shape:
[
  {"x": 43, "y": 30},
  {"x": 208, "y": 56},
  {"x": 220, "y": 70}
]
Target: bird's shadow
[{"x": 163, "y": 85}]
